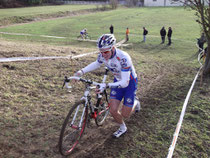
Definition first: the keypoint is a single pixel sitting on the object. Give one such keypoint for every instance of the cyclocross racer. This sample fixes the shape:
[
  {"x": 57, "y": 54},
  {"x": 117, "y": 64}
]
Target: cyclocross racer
[
  {"x": 83, "y": 33},
  {"x": 125, "y": 80}
]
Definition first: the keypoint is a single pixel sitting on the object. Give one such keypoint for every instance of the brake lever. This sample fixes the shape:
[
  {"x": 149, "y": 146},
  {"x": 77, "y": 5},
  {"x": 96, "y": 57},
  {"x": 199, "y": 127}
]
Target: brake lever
[{"x": 66, "y": 81}]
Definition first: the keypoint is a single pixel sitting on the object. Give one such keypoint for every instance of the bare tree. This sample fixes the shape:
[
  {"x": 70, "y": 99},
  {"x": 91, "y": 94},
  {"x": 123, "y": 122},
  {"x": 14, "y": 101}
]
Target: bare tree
[
  {"x": 202, "y": 8},
  {"x": 114, "y": 3},
  {"x": 132, "y": 3}
]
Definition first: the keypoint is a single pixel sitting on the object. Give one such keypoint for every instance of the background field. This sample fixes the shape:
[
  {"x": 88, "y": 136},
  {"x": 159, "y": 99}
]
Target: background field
[
  {"x": 33, "y": 11},
  {"x": 33, "y": 105}
]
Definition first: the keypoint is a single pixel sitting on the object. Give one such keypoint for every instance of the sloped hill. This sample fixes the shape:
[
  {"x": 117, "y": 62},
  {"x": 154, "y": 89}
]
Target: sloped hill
[{"x": 33, "y": 107}]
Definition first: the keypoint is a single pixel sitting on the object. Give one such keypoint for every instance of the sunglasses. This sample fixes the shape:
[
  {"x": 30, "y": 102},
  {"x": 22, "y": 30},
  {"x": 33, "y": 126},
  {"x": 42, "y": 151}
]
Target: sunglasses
[{"x": 106, "y": 52}]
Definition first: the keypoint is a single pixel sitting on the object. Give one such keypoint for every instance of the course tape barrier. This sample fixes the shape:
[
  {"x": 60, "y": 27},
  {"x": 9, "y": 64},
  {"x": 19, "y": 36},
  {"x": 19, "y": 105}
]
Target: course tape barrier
[
  {"x": 179, "y": 124},
  {"x": 87, "y": 40},
  {"x": 42, "y": 58},
  {"x": 51, "y": 57},
  {"x": 24, "y": 34}
]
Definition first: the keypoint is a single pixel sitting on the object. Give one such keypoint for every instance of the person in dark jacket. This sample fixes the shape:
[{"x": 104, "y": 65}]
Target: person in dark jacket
[
  {"x": 163, "y": 34},
  {"x": 145, "y": 32},
  {"x": 169, "y": 35},
  {"x": 201, "y": 41},
  {"x": 111, "y": 29}
]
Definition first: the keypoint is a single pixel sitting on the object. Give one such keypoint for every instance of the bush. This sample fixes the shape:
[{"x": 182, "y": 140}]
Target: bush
[{"x": 11, "y": 3}]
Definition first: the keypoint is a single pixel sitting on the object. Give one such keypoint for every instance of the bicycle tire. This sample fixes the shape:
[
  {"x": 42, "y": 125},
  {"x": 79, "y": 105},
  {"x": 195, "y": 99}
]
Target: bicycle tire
[
  {"x": 71, "y": 134},
  {"x": 79, "y": 37},
  {"x": 88, "y": 37},
  {"x": 102, "y": 113}
]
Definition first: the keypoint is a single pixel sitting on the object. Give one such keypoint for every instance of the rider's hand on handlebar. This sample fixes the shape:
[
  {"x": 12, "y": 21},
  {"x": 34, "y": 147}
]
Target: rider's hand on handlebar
[
  {"x": 101, "y": 87},
  {"x": 78, "y": 74}
]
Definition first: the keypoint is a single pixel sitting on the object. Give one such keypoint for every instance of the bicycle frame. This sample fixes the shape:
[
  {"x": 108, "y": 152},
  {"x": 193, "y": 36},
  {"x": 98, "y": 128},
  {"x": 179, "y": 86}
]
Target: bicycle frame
[{"x": 87, "y": 98}]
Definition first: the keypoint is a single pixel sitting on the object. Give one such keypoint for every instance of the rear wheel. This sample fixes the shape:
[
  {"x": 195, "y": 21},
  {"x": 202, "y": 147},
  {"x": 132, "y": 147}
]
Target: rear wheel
[
  {"x": 78, "y": 37},
  {"x": 73, "y": 128}
]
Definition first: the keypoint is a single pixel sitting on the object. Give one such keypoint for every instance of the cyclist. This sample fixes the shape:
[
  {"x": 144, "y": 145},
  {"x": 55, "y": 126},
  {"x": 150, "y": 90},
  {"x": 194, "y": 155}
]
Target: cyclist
[
  {"x": 125, "y": 80},
  {"x": 83, "y": 33}
]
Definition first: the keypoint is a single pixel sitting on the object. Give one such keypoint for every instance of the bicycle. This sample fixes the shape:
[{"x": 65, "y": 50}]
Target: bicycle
[
  {"x": 86, "y": 36},
  {"x": 80, "y": 114}
]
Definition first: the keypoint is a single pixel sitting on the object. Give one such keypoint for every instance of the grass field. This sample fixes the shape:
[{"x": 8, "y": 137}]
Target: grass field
[
  {"x": 33, "y": 105},
  {"x": 27, "y": 14},
  {"x": 34, "y": 11},
  {"x": 99, "y": 23}
]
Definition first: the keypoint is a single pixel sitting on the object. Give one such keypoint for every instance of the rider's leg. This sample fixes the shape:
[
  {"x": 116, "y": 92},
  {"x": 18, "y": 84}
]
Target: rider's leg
[
  {"x": 114, "y": 110},
  {"x": 116, "y": 95},
  {"x": 137, "y": 105},
  {"x": 126, "y": 111}
]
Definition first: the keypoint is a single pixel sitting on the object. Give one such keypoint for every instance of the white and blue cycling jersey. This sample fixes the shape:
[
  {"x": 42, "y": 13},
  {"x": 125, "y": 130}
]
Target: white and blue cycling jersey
[
  {"x": 118, "y": 63},
  {"x": 125, "y": 77}
]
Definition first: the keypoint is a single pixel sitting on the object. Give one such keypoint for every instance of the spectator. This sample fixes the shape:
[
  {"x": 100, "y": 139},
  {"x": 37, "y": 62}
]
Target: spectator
[
  {"x": 111, "y": 29},
  {"x": 145, "y": 32},
  {"x": 201, "y": 41},
  {"x": 163, "y": 34},
  {"x": 127, "y": 33},
  {"x": 169, "y": 35}
]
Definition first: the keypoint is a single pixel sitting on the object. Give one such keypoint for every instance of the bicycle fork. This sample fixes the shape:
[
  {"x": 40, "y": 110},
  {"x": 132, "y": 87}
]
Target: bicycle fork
[{"x": 81, "y": 119}]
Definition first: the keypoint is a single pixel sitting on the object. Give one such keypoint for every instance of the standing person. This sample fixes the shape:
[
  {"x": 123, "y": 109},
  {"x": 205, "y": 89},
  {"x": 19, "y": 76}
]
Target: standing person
[
  {"x": 111, "y": 29},
  {"x": 163, "y": 34},
  {"x": 169, "y": 35},
  {"x": 127, "y": 34},
  {"x": 201, "y": 41},
  {"x": 125, "y": 80},
  {"x": 145, "y": 32}
]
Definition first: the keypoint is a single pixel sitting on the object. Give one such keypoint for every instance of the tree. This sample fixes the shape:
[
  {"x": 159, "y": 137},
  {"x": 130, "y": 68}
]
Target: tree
[
  {"x": 202, "y": 8},
  {"x": 131, "y": 3},
  {"x": 114, "y": 3}
]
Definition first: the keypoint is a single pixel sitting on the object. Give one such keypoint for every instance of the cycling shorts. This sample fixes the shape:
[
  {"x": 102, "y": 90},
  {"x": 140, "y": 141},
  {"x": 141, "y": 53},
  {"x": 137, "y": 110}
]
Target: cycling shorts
[
  {"x": 127, "y": 93},
  {"x": 82, "y": 33}
]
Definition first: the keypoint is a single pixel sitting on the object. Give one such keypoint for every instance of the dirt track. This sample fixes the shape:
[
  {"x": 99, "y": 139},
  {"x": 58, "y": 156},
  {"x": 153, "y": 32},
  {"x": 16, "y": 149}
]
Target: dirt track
[{"x": 97, "y": 142}]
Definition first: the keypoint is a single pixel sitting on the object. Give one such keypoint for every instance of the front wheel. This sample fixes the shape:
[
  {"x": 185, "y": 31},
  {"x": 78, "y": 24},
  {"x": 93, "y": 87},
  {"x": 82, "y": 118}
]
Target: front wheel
[
  {"x": 102, "y": 113},
  {"x": 88, "y": 37},
  {"x": 73, "y": 128}
]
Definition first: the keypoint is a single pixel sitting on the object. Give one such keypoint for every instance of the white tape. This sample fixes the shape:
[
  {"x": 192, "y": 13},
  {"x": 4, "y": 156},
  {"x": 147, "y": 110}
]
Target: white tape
[
  {"x": 29, "y": 58},
  {"x": 50, "y": 57},
  {"x": 179, "y": 124},
  {"x": 23, "y": 34},
  {"x": 42, "y": 58}
]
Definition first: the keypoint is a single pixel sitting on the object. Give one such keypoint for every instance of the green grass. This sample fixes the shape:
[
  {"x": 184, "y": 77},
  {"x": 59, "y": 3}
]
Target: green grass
[
  {"x": 32, "y": 100},
  {"x": 152, "y": 18},
  {"x": 34, "y": 11}
]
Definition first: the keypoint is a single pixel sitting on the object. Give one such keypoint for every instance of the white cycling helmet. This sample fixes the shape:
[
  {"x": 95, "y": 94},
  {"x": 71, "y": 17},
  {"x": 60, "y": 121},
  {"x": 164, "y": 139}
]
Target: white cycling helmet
[{"x": 106, "y": 42}]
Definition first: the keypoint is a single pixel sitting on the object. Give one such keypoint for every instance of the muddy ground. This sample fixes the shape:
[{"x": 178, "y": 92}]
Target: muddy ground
[{"x": 33, "y": 106}]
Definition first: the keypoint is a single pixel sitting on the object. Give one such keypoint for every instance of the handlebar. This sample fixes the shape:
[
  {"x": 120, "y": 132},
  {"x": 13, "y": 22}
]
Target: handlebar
[{"x": 67, "y": 80}]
